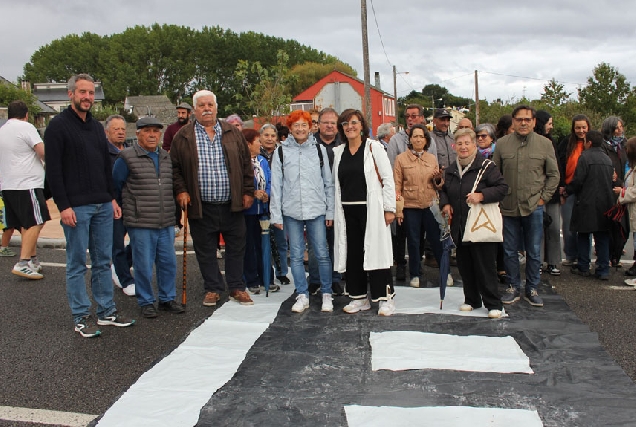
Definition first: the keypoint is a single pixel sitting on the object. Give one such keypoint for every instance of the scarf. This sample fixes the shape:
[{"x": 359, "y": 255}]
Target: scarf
[
  {"x": 259, "y": 175},
  {"x": 464, "y": 164},
  {"x": 487, "y": 152},
  {"x": 417, "y": 154},
  {"x": 616, "y": 142}
]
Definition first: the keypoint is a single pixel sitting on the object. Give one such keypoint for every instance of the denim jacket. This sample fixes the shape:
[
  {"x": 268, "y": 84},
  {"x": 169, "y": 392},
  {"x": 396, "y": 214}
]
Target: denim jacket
[{"x": 300, "y": 189}]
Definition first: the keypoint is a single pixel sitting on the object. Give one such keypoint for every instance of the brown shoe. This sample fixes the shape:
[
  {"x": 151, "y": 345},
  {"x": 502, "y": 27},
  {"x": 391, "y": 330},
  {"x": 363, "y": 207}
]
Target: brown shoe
[
  {"x": 241, "y": 297},
  {"x": 210, "y": 299}
]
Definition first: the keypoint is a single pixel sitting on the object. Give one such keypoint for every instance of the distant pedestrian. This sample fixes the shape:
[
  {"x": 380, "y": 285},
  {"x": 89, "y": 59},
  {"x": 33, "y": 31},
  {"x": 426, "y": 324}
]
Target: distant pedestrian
[
  {"x": 80, "y": 176},
  {"x": 21, "y": 157},
  {"x": 143, "y": 177}
]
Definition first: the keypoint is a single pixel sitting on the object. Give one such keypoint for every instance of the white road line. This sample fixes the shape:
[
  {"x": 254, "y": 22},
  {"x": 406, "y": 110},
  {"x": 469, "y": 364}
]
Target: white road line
[
  {"x": 173, "y": 392},
  {"x": 57, "y": 264},
  {"x": 403, "y": 350},
  {"x": 43, "y": 416},
  {"x": 440, "y": 416}
]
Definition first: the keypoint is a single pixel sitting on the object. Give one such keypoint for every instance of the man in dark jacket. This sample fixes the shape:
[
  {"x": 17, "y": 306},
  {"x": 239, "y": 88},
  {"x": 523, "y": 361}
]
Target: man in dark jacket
[
  {"x": 214, "y": 179},
  {"x": 143, "y": 178},
  {"x": 592, "y": 185},
  {"x": 79, "y": 173}
]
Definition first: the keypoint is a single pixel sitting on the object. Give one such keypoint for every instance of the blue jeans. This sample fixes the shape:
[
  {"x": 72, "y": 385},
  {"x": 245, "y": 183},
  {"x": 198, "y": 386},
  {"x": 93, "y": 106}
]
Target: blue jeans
[
  {"x": 280, "y": 240},
  {"x": 314, "y": 274},
  {"x": 154, "y": 246},
  {"x": 120, "y": 253},
  {"x": 528, "y": 229},
  {"x": 601, "y": 243},
  {"x": 416, "y": 221},
  {"x": 93, "y": 231},
  {"x": 317, "y": 237}
]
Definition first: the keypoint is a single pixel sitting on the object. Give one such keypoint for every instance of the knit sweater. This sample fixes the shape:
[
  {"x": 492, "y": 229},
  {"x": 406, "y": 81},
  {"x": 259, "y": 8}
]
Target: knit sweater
[{"x": 78, "y": 165}]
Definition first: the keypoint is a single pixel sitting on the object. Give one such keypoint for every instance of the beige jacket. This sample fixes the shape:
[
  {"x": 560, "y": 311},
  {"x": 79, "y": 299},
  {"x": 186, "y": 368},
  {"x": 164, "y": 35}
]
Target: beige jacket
[{"x": 414, "y": 179}]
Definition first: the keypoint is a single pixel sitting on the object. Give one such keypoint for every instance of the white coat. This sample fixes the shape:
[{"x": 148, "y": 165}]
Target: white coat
[{"x": 378, "y": 251}]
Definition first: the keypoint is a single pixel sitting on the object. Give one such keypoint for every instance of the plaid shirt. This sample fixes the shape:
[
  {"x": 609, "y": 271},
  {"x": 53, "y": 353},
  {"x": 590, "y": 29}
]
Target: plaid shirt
[{"x": 214, "y": 181}]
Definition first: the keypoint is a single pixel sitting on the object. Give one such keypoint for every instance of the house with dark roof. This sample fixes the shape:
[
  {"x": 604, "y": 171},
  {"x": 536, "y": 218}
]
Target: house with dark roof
[
  {"x": 158, "y": 106},
  {"x": 55, "y": 95},
  {"x": 40, "y": 118},
  {"x": 341, "y": 91}
]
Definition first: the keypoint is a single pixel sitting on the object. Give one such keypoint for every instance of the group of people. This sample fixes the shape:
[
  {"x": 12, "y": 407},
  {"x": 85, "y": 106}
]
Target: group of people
[{"x": 358, "y": 202}]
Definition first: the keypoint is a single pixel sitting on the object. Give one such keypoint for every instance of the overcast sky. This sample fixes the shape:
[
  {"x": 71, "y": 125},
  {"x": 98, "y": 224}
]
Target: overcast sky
[{"x": 436, "y": 42}]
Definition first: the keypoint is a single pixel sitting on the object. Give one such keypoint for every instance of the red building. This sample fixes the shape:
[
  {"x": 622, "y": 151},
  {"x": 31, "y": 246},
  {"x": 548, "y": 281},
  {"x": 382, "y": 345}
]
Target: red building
[{"x": 341, "y": 91}]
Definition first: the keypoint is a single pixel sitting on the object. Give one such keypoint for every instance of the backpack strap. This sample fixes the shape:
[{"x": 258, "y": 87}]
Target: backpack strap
[
  {"x": 280, "y": 156},
  {"x": 320, "y": 157}
]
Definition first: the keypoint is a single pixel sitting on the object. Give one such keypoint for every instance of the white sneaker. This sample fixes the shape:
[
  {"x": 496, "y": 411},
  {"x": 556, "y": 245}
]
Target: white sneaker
[
  {"x": 357, "y": 305},
  {"x": 387, "y": 308},
  {"x": 301, "y": 304},
  {"x": 415, "y": 282},
  {"x": 129, "y": 290},
  {"x": 630, "y": 282},
  {"x": 26, "y": 271},
  {"x": 327, "y": 303},
  {"x": 496, "y": 314},
  {"x": 116, "y": 281},
  {"x": 219, "y": 255},
  {"x": 35, "y": 267},
  {"x": 465, "y": 307},
  {"x": 450, "y": 281}
]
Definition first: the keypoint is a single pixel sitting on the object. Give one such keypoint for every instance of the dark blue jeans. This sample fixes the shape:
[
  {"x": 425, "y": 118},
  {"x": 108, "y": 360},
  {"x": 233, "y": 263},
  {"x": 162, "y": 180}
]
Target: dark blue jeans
[
  {"x": 416, "y": 220},
  {"x": 121, "y": 253},
  {"x": 601, "y": 244},
  {"x": 528, "y": 229}
]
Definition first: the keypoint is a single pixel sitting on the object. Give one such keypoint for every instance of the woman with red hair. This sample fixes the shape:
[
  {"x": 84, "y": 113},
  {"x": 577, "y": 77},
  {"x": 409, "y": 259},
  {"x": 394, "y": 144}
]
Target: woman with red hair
[{"x": 302, "y": 195}]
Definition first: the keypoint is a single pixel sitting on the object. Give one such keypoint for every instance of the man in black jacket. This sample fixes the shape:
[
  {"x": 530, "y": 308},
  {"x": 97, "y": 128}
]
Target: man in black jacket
[
  {"x": 592, "y": 185},
  {"x": 79, "y": 173}
]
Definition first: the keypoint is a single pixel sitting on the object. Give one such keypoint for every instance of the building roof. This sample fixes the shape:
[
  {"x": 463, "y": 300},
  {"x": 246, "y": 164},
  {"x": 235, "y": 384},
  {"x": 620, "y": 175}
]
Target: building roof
[
  {"x": 158, "y": 106},
  {"x": 56, "y": 92},
  {"x": 335, "y": 76},
  {"x": 44, "y": 109}
]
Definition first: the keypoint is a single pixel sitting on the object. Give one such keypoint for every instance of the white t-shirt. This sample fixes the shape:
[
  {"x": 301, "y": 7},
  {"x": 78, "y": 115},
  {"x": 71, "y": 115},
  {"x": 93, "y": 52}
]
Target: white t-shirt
[{"x": 20, "y": 166}]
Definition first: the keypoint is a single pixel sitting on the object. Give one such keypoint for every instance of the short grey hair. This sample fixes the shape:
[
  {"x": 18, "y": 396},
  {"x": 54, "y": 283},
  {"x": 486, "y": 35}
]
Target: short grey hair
[
  {"x": 201, "y": 93},
  {"x": 111, "y": 118},
  {"x": 488, "y": 128},
  {"x": 268, "y": 126},
  {"x": 74, "y": 79},
  {"x": 609, "y": 126},
  {"x": 384, "y": 130},
  {"x": 326, "y": 111}
]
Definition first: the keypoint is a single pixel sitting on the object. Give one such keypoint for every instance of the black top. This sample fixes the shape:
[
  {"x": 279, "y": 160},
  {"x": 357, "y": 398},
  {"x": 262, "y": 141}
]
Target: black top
[{"x": 353, "y": 185}]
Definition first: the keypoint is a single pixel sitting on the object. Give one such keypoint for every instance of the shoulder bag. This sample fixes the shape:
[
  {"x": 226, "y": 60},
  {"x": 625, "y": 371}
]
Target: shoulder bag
[{"x": 484, "y": 223}]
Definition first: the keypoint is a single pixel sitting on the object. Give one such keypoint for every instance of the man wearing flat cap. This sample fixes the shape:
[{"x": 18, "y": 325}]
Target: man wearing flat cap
[
  {"x": 444, "y": 141},
  {"x": 143, "y": 177}
]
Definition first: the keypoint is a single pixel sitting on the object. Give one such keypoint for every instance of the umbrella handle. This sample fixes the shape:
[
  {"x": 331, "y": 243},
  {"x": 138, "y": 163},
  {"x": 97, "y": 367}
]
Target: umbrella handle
[{"x": 184, "y": 295}]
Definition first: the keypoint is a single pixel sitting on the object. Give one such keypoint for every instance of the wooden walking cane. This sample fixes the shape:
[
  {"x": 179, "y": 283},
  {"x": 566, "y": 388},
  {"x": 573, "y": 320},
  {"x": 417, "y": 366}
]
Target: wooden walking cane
[{"x": 184, "y": 295}]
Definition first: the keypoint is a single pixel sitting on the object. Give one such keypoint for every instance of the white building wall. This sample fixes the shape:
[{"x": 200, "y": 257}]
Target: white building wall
[{"x": 339, "y": 96}]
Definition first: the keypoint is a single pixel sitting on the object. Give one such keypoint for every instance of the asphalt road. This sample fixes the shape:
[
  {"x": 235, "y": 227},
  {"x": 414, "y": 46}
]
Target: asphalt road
[{"x": 45, "y": 365}]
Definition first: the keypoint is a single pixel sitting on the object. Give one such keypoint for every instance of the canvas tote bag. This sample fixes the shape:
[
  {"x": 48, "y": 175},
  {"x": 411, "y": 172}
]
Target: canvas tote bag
[{"x": 484, "y": 223}]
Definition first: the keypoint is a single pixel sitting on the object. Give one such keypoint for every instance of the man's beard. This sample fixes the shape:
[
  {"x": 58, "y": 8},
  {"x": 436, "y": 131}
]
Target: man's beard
[
  {"x": 182, "y": 120},
  {"x": 78, "y": 106}
]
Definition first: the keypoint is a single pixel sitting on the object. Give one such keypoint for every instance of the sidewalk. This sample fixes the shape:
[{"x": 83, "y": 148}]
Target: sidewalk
[{"x": 52, "y": 234}]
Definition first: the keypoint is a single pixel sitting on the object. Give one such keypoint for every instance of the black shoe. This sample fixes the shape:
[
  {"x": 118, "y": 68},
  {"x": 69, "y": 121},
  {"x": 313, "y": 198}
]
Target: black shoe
[
  {"x": 314, "y": 288},
  {"x": 602, "y": 276},
  {"x": 533, "y": 298},
  {"x": 283, "y": 280},
  {"x": 553, "y": 270},
  {"x": 148, "y": 311},
  {"x": 631, "y": 271},
  {"x": 575, "y": 270},
  {"x": 511, "y": 295},
  {"x": 503, "y": 278},
  {"x": 337, "y": 289},
  {"x": 400, "y": 272},
  {"x": 171, "y": 307}
]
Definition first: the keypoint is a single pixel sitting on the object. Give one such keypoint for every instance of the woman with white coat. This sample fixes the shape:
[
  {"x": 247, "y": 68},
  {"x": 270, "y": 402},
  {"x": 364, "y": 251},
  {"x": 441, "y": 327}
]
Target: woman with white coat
[
  {"x": 627, "y": 196},
  {"x": 364, "y": 210}
]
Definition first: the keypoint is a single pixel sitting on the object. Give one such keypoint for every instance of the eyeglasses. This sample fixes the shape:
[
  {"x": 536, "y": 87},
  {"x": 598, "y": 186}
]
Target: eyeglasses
[
  {"x": 523, "y": 119},
  {"x": 482, "y": 136},
  {"x": 352, "y": 123},
  {"x": 412, "y": 116},
  {"x": 315, "y": 122},
  {"x": 300, "y": 126},
  {"x": 328, "y": 123}
]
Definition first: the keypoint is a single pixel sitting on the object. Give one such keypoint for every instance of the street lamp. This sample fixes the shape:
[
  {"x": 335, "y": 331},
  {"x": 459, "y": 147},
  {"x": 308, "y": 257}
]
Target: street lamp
[
  {"x": 395, "y": 73},
  {"x": 433, "y": 102}
]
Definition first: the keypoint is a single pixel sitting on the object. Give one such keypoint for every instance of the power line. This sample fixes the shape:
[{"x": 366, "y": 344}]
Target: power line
[
  {"x": 375, "y": 18},
  {"x": 528, "y": 78}
]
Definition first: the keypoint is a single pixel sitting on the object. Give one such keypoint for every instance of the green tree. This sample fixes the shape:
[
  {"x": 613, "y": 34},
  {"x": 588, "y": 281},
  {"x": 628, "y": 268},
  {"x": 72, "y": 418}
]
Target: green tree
[
  {"x": 606, "y": 90},
  {"x": 265, "y": 92},
  {"x": 309, "y": 73},
  {"x": 554, "y": 93},
  {"x": 10, "y": 93}
]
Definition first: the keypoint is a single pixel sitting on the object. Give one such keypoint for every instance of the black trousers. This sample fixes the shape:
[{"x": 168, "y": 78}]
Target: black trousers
[
  {"x": 356, "y": 223},
  {"x": 477, "y": 266},
  {"x": 205, "y": 239}
]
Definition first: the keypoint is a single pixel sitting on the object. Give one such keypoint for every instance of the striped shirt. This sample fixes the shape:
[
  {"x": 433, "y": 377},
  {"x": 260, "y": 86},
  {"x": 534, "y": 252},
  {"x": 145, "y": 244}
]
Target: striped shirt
[{"x": 214, "y": 181}]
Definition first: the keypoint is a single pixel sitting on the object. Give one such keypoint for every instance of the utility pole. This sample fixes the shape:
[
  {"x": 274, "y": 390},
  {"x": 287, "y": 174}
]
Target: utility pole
[
  {"x": 476, "y": 99},
  {"x": 366, "y": 107},
  {"x": 395, "y": 95}
]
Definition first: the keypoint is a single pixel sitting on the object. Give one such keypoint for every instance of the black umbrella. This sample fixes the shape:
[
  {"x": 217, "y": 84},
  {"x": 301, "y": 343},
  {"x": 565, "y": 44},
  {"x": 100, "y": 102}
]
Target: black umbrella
[{"x": 444, "y": 262}]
